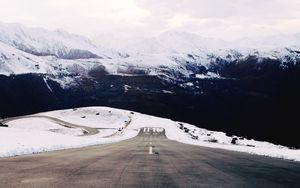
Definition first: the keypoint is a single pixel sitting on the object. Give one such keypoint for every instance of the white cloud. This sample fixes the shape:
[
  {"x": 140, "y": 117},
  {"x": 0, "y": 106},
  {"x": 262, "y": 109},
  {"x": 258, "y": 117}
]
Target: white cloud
[{"x": 219, "y": 18}]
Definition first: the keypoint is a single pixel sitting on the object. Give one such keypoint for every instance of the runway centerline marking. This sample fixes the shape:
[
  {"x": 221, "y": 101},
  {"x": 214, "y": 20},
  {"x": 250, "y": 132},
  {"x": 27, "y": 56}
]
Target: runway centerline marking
[{"x": 150, "y": 150}]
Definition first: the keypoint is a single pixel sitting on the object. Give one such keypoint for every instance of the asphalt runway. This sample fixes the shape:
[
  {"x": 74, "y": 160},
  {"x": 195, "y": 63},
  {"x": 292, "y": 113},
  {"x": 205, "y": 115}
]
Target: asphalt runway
[{"x": 148, "y": 160}]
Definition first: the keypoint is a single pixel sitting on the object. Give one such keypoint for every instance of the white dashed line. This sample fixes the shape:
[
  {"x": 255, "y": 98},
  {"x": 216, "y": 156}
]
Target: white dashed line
[{"x": 150, "y": 150}]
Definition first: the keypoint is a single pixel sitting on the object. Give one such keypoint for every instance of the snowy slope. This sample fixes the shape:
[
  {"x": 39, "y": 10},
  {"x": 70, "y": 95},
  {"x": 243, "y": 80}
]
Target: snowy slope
[
  {"x": 174, "y": 42},
  {"x": 58, "y": 43},
  {"x": 176, "y": 49},
  {"x": 26, "y": 136},
  {"x": 172, "y": 55},
  {"x": 40, "y": 124},
  {"x": 20, "y": 142},
  {"x": 14, "y": 61},
  {"x": 205, "y": 50},
  {"x": 269, "y": 42},
  {"x": 93, "y": 117}
]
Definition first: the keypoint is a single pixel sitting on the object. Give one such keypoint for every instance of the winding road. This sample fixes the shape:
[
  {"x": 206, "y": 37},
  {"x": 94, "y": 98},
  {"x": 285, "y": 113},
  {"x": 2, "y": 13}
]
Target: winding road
[{"x": 88, "y": 131}]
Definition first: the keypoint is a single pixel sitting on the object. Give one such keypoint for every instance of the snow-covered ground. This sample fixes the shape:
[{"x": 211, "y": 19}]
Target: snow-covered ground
[
  {"x": 32, "y": 135},
  {"x": 40, "y": 124},
  {"x": 38, "y": 134},
  {"x": 93, "y": 117}
]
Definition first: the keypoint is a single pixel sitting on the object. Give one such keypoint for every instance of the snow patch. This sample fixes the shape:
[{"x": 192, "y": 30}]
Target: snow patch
[
  {"x": 45, "y": 80},
  {"x": 209, "y": 75},
  {"x": 26, "y": 136}
]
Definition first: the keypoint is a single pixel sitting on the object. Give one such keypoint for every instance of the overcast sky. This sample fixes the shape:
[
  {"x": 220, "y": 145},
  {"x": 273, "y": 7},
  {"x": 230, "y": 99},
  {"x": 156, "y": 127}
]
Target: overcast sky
[{"x": 213, "y": 18}]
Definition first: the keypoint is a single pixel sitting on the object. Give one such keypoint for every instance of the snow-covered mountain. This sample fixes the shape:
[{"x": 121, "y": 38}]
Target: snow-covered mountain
[
  {"x": 184, "y": 42},
  {"x": 179, "y": 50},
  {"x": 179, "y": 54},
  {"x": 171, "y": 55},
  {"x": 167, "y": 42},
  {"x": 182, "y": 76},
  {"x": 15, "y": 61},
  {"x": 269, "y": 42},
  {"x": 42, "y": 42}
]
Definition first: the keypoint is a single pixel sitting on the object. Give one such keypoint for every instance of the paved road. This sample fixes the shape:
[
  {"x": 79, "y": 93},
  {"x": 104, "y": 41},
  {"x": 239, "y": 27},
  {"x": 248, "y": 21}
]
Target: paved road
[
  {"x": 88, "y": 131},
  {"x": 131, "y": 163}
]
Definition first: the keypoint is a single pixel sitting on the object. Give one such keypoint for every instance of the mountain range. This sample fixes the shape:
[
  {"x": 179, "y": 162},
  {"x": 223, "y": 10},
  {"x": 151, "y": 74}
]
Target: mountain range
[{"x": 247, "y": 87}]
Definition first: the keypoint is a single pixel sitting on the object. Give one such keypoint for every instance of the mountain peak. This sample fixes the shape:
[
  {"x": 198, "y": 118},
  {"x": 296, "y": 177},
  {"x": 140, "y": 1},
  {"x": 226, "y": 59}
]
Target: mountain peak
[{"x": 58, "y": 43}]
